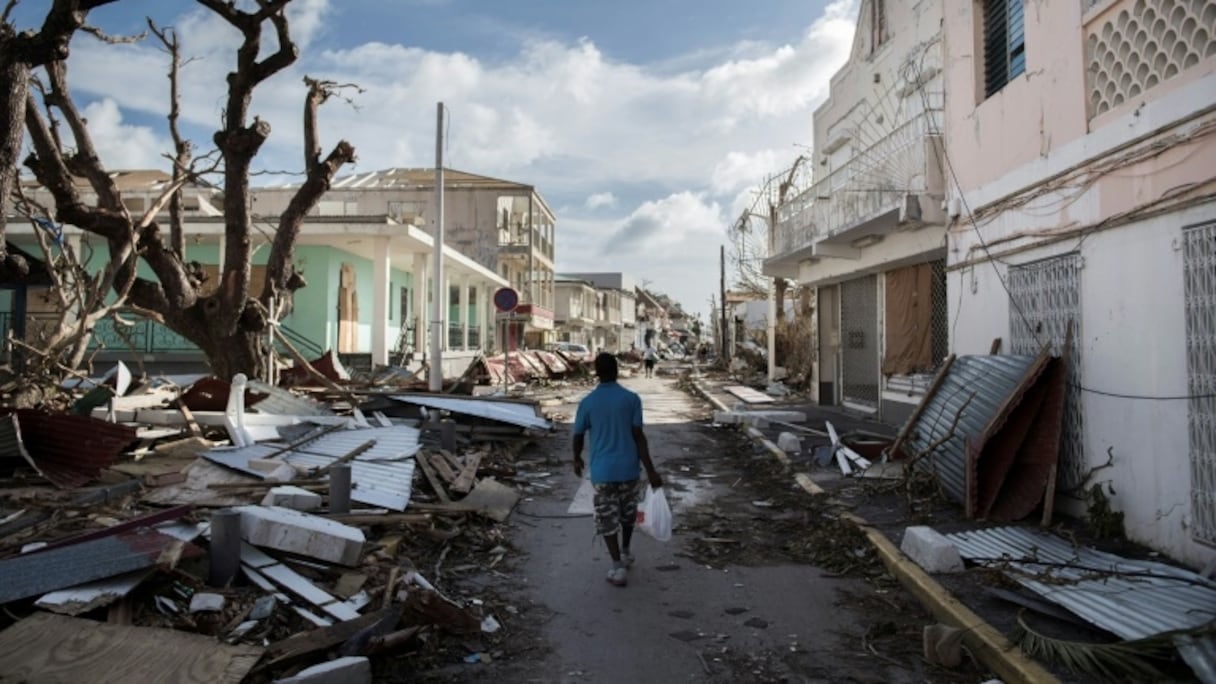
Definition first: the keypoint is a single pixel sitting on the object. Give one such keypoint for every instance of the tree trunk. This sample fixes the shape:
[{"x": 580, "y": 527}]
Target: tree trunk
[
  {"x": 14, "y": 83},
  {"x": 228, "y": 351}
]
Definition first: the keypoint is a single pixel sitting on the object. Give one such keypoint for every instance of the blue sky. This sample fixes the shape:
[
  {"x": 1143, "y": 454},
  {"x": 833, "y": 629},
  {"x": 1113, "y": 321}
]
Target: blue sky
[{"x": 644, "y": 124}]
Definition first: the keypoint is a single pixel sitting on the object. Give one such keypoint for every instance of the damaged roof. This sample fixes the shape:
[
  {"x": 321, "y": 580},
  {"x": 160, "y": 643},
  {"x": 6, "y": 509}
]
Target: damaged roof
[
  {"x": 1130, "y": 598},
  {"x": 381, "y": 476}
]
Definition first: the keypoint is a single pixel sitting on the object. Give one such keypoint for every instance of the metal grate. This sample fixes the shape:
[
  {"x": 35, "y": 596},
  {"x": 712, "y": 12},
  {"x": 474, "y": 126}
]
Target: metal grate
[
  {"x": 1046, "y": 295},
  {"x": 941, "y": 314},
  {"x": 1199, "y": 272},
  {"x": 859, "y": 341}
]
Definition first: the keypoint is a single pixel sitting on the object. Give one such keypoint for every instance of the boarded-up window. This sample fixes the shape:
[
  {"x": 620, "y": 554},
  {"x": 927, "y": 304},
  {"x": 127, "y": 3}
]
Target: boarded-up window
[
  {"x": 348, "y": 311},
  {"x": 909, "y": 320},
  {"x": 257, "y": 280}
]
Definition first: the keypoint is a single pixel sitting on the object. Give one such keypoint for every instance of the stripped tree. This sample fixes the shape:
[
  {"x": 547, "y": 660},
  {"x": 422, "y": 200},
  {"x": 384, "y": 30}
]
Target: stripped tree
[{"x": 228, "y": 322}]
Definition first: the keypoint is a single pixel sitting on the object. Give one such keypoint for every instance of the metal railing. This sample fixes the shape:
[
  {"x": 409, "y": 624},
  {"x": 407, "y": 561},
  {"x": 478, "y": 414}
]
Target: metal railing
[
  {"x": 869, "y": 184},
  {"x": 143, "y": 336}
]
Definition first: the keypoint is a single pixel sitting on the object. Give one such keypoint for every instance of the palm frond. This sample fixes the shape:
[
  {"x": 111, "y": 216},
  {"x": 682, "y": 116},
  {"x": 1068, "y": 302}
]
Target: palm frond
[{"x": 1120, "y": 661}]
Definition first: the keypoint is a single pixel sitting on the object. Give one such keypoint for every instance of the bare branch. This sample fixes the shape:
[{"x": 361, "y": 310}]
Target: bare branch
[{"x": 112, "y": 40}]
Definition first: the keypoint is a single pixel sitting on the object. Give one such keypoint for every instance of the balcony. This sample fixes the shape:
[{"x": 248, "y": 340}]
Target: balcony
[{"x": 880, "y": 190}]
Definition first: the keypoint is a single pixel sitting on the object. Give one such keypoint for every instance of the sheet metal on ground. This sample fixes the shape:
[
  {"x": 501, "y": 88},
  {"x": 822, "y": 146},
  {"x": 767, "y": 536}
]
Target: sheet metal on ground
[
  {"x": 1132, "y": 605},
  {"x": 69, "y": 450},
  {"x": 514, "y": 413},
  {"x": 38, "y": 573},
  {"x": 52, "y": 648},
  {"x": 991, "y": 379},
  {"x": 382, "y": 476}
]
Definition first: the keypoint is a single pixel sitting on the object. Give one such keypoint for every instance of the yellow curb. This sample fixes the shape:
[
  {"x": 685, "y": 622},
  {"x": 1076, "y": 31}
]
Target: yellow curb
[
  {"x": 989, "y": 645},
  {"x": 773, "y": 449}
]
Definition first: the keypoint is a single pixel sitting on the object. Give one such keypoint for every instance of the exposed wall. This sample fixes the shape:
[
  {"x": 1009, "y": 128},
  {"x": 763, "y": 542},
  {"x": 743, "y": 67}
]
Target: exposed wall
[{"x": 1133, "y": 344}]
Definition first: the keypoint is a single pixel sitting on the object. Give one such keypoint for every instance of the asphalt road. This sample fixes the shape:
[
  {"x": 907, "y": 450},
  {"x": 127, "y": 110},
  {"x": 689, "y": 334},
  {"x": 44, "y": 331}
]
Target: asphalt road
[{"x": 677, "y": 620}]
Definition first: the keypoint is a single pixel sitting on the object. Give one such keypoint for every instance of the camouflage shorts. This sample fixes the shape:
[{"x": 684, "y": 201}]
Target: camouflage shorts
[{"x": 616, "y": 504}]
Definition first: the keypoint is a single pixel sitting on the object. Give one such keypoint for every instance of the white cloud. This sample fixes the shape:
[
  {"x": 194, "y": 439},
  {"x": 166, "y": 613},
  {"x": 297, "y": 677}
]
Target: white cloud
[
  {"x": 122, "y": 146},
  {"x": 600, "y": 199},
  {"x": 667, "y": 155}
]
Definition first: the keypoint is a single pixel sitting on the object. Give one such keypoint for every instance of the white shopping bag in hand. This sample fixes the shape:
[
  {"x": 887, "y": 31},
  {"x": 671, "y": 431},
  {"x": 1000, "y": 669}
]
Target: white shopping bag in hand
[{"x": 654, "y": 515}]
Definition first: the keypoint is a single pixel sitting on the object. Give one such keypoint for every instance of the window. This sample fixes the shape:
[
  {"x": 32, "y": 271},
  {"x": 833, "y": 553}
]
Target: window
[
  {"x": 878, "y": 24},
  {"x": 1004, "y": 43}
]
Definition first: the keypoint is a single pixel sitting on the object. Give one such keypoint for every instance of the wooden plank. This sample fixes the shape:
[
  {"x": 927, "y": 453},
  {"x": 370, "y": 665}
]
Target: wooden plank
[
  {"x": 299, "y": 646},
  {"x": 45, "y": 647},
  {"x": 421, "y": 459},
  {"x": 442, "y": 468},
  {"x": 465, "y": 481}
]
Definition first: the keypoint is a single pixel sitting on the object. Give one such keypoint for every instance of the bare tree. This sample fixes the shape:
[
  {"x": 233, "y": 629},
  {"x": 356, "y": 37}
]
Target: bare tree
[
  {"x": 229, "y": 323},
  {"x": 752, "y": 236}
]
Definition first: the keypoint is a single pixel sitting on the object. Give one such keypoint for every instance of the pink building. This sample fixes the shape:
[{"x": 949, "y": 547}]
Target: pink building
[{"x": 1081, "y": 169}]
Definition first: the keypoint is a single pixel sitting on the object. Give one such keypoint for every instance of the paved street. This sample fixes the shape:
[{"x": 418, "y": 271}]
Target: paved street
[{"x": 678, "y": 619}]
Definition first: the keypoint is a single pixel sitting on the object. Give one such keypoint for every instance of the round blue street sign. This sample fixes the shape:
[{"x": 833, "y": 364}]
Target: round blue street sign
[{"x": 506, "y": 299}]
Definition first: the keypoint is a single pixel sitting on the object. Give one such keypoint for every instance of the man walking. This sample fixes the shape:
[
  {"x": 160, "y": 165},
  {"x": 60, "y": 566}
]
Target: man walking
[
  {"x": 649, "y": 357},
  {"x": 613, "y": 417}
]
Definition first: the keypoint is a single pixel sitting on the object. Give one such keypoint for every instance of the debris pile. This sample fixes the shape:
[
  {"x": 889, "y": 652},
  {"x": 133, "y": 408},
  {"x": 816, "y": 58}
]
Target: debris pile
[{"x": 255, "y": 533}]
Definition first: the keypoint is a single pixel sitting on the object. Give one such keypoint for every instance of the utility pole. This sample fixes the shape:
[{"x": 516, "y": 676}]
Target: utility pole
[
  {"x": 439, "y": 292},
  {"x": 722, "y": 302}
]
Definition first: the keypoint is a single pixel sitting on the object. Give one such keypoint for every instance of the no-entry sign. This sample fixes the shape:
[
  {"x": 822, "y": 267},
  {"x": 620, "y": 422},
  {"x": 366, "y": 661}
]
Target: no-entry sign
[{"x": 506, "y": 299}]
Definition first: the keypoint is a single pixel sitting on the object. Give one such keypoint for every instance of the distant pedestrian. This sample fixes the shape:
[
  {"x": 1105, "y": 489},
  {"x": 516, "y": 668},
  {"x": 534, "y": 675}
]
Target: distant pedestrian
[
  {"x": 649, "y": 357},
  {"x": 612, "y": 415}
]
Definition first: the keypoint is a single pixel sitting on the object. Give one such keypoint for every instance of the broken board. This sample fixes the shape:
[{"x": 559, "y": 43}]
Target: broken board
[
  {"x": 749, "y": 395},
  {"x": 52, "y": 648}
]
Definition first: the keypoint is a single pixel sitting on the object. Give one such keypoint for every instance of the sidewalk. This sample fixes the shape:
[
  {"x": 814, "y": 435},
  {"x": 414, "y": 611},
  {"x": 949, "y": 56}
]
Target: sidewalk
[{"x": 986, "y": 642}]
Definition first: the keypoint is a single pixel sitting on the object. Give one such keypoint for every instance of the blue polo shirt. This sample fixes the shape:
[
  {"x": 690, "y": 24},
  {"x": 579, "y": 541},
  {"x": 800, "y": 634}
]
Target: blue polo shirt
[{"x": 610, "y": 413}]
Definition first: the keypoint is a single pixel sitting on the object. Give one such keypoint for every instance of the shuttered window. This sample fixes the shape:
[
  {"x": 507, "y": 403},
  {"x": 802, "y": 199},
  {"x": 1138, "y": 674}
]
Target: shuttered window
[{"x": 1004, "y": 43}]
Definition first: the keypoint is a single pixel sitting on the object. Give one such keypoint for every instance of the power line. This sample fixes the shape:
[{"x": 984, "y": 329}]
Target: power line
[{"x": 992, "y": 259}]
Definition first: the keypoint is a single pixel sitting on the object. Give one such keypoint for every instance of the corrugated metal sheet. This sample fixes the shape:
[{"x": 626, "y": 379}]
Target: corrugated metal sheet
[
  {"x": 1200, "y": 653},
  {"x": 987, "y": 381},
  {"x": 523, "y": 415},
  {"x": 34, "y": 574},
  {"x": 382, "y": 476},
  {"x": 70, "y": 450},
  {"x": 1132, "y": 599},
  {"x": 282, "y": 402}
]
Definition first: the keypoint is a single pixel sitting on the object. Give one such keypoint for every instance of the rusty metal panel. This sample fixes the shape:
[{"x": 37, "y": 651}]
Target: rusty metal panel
[
  {"x": 70, "y": 450},
  {"x": 974, "y": 392}
]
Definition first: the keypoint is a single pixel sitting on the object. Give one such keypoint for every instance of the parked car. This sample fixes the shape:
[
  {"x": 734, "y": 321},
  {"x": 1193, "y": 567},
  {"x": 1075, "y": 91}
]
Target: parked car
[{"x": 575, "y": 351}]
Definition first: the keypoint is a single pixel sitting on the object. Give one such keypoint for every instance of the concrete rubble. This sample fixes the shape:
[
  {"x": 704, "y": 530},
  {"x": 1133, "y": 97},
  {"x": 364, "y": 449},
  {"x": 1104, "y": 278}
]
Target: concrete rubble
[{"x": 316, "y": 590}]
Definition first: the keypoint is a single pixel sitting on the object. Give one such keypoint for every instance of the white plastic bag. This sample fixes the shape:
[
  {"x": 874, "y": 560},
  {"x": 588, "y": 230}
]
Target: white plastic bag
[{"x": 654, "y": 515}]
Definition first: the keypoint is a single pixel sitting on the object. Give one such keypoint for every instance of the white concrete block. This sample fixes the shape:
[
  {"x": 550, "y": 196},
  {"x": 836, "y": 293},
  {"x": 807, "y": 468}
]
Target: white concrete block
[
  {"x": 301, "y": 533},
  {"x": 295, "y": 498},
  {"x": 266, "y": 465},
  {"x": 930, "y": 550},
  {"x": 789, "y": 443},
  {"x": 347, "y": 670},
  {"x": 204, "y": 602},
  {"x": 284, "y": 473}
]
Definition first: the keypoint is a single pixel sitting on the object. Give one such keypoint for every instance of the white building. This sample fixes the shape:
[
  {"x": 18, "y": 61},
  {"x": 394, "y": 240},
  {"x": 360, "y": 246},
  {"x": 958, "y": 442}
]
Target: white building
[
  {"x": 868, "y": 233},
  {"x": 1081, "y": 143}
]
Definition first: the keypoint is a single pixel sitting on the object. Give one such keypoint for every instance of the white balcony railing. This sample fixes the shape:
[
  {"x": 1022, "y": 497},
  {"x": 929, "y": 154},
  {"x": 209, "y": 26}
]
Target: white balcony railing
[{"x": 871, "y": 183}]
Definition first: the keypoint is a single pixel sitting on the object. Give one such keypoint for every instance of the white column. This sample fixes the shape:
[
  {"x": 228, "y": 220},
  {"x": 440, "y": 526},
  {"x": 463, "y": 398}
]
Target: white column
[
  {"x": 382, "y": 265},
  {"x": 446, "y": 309},
  {"x": 464, "y": 312},
  {"x": 487, "y": 317},
  {"x": 421, "y": 275}
]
